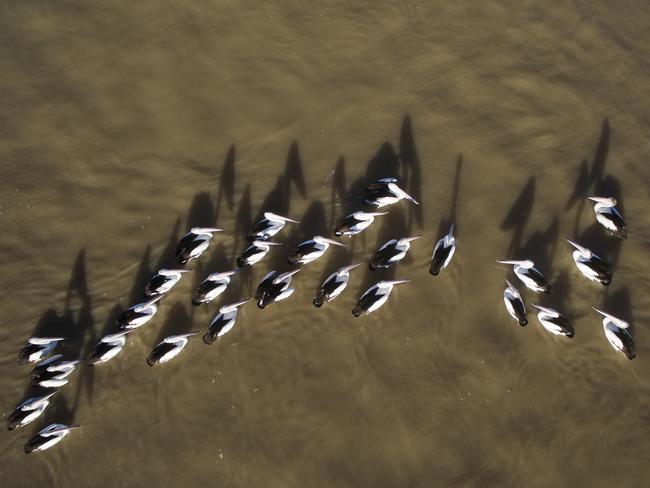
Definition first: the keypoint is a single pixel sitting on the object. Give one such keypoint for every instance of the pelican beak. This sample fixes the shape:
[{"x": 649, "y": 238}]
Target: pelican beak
[
  {"x": 397, "y": 282},
  {"x": 604, "y": 314},
  {"x": 267, "y": 243},
  {"x": 451, "y": 230},
  {"x": 350, "y": 267},
  {"x": 513, "y": 262},
  {"x": 239, "y": 304},
  {"x": 410, "y": 239},
  {"x": 330, "y": 241},
  {"x": 376, "y": 214},
  {"x": 599, "y": 199},
  {"x": 286, "y": 275},
  {"x": 272, "y": 216},
  {"x": 536, "y": 306},
  {"x": 510, "y": 285},
  {"x": 189, "y": 334},
  {"x": 205, "y": 230},
  {"x": 577, "y": 246},
  {"x": 64, "y": 429},
  {"x": 152, "y": 301}
]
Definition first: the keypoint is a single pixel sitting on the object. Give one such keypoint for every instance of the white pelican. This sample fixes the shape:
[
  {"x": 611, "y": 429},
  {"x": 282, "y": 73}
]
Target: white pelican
[
  {"x": 213, "y": 286},
  {"x": 194, "y": 243},
  {"x": 169, "y": 348},
  {"x": 310, "y": 250},
  {"x": 554, "y": 322},
  {"x": 609, "y": 217},
  {"x": 385, "y": 192},
  {"x": 270, "y": 225},
  {"x": 222, "y": 322},
  {"x": 617, "y": 334},
  {"x": 356, "y": 222},
  {"x": 48, "y": 437},
  {"x": 590, "y": 265},
  {"x": 334, "y": 285},
  {"x": 375, "y": 297},
  {"x": 529, "y": 275},
  {"x": 391, "y": 252}
]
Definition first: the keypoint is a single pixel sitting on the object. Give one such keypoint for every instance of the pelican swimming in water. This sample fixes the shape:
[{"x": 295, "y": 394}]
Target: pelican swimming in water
[
  {"x": 108, "y": 347},
  {"x": 274, "y": 287},
  {"x": 255, "y": 252},
  {"x": 270, "y": 225},
  {"x": 530, "y": 275},
  {"x": 163, "y": 281},
  {"x": 169, "y": 348},
  {"x": 443, "y": 252},
  {"x": 48, "y": 437},
  {"x": 385, "y": 192},
  {"x": 213, "y": 286},
  {"x": 28, "y": 411},
  {"x": 609, "y": 217},
  {"x": 194, "y": 243},
  {"x": 375, "y": 297},
  {"x": 590, "y": 265},
  {"x": 37, "y": 348},
  {"x": 222, "y": 322},
  {"x": 52, "y": 372},
  {"x": 355, "y": 223},
  {"x": 391, "y": 252},
  {"x": 554, "y": 322},
  {"x": 514, "y": 304},
  {"x": 616, "y": 332},
  {"x": 334, "y": 285},
  {"x": 310, "y": 250},
  {"x": 139, "y": 314}
]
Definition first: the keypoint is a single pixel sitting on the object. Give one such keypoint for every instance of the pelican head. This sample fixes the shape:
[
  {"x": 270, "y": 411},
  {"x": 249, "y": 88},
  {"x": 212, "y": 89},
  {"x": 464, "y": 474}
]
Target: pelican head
[
  {"x": 258, "y": 243},
  {"x": 62, "y": 430},
  {"x": 325, "y": 240},
  {"x": 524, "y": 264},
  {"x": 618, "y": 322},
  {"x": 368, "y": 215},
  {"x": 179, "y": 337},
  {"x": 547, "y": 310},
  {"x": 274, "y": 217},
  {"x": 387, "y": 284},
  {"x": 284, "y": 276},
  {"x": 204, "y": 230},
  {"x": 582, "y": 249},
  {"x": 607, "y": 201},
  {"x": 172, "y": 272},
  {"x": 224, "y": 274},
  {"x": 232, "y": 306},
  {"x": 392, "y": 186},
  {"x": 345, "y": 269},
  {"x": 410, "y": 239}
]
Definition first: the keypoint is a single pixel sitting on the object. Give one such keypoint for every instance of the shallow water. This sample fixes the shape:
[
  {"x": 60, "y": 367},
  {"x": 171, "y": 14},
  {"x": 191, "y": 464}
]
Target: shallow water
[{"x": 122, "y": 125}]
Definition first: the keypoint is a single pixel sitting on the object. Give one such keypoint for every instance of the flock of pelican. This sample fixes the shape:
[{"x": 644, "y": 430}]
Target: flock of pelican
[{"x": 52, "y": 372}]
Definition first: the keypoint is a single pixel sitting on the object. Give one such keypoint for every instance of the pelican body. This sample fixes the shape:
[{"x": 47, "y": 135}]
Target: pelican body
[
  {"x": 385, "y": 192},
  {"x": 169, "y": 348},
  {"x": 530, "y": 276},
  {"x": 194, "y": 243},
  {"x": 443, "y": 252},
  {"x": 139, "y": 314},
  {"x": 213, "y": 286},
  {"x": 334, "y": 285},
  {"x": 108, "y": 347},
  {"x": 616, "y": 332},
  {"x": 355, "y": 223},
  {"x": 48, "y": 437},
  {"x": 590, "y": 265},
  {"x": 37, "y": 348},
  {"x": 514, "y": 304},
  {"x": 274, "y": 287},
  {"x": 375, "y": 297},
  {"x": 270, "y": 225},
  {"x": 391, "y": 252},
  {"x": 554, "y": 322},
  {"x": 255, "y": 252},
  {"x": 222, "y": 322},
  {"x": 310, "y": 250},
  {"x": 28, "y": 411},
  {"x": 163, "y": 281},
  {"x": 52, "y": 372},
  {"x": 609, "y": 217}
]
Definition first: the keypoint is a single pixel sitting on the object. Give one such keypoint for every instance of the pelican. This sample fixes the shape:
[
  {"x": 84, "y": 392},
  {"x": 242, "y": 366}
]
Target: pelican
[
  {"x": 274, "y": 287},
  {"x": 609, "y": 217},
  {"x": 617, "y": 334},
  {"x": 530, "y": 276},
  {"x": 255, "y": 252},
  {"x": 270, "y": 225},
  {"x": 52, "y": 372},
  {"x": 169, "y": 348},
  {"x": 310, "y": 250},
  {"x": 213, "y": 286},
  {"x": 590, "y": 265},
  {"x": 222, "y": 322},
  {"x": 28, "y": 411},
  {"x": 108, "y": 347},
  {"x": 443, "y": 252},
  {"x": 194, "y": 243},
  {"x": 554, "y": 322},
  {"x": 385, "y": 192},
  {"x": 37, "y": 348},
  {"x": 163, "y": 281},
  {"x": 514, "y": 304},
  {"x": 356, "y": 222},
  {"x": 375, "y": 297},
  {"x": 334, "y": 285},
  {"x": 391, "y": 252},
  {"x": 139, "y": 314},
  {"x": 48, "y": 437}
]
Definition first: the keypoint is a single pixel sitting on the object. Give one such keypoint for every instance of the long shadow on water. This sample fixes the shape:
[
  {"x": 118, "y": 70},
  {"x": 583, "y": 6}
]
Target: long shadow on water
[
  {"x": 178, "y": 321},
  {"x": 339, "y": 193},
  {"x": 411, "y": 171},
  {"x": 518, "y": 216},
  {"x": 445, "y": 223},
  {"x": 243, "y": 220},
  {"x": 167, "y": 258},
  {"x": 141, "y": 278},
  {"x": 226, "y": 187}
]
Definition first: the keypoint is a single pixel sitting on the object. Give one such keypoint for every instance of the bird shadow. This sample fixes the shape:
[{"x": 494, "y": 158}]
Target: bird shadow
[
  {"x": 141, "y": 278},
  {"x": 339, "y": 257},
  {"x": 518, "y": 216},
  {"x": 339, "y": 192},
  {"x": 445, "y": 223},
  {"x": 219, "y": 261},
  {"x": 541, "y": 247},
  {"x": 278, "y": 200},
  {"x": 243, "y": 219},
  {"x": 293, "y": 171},
  {"x": 178, "y": 321},
  {"x": 384, "y": 164},
  {"x": 411, "y": 171},
  {"x": 167, "y": 258},
  {"x": 201, "y": 212},
  {"x": 226, "y": 188}
]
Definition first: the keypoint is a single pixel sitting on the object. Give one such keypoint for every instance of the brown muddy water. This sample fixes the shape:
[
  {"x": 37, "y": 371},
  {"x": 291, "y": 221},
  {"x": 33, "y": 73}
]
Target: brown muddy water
[{"x": 125, "y": 123}]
